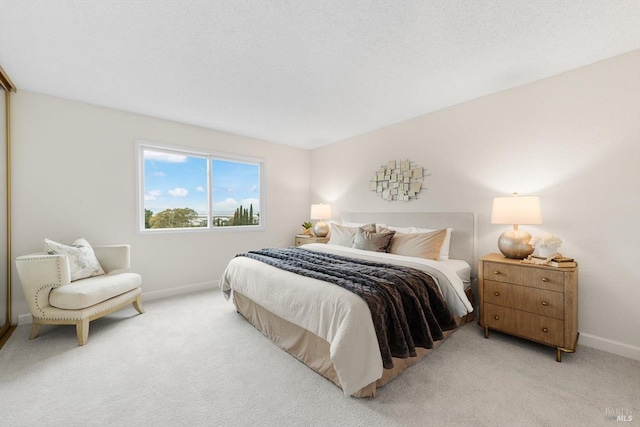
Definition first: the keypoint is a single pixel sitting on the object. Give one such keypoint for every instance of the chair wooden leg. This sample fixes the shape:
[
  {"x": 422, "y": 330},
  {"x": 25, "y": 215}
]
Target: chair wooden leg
[
  {"x": 35, "y": 328},
  {"x": 82, "y": 331},
  {"x": 137, "y": 304}
]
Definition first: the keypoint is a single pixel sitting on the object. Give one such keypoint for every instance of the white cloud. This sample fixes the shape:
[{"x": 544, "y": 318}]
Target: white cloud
[
  {"x": 160, "y": 174},
  {"x": 179, "y": 192},
  {"x": 152, "y": 195},
  {"x": 159, "y": 156},
  {"x": 226, "y": 206},
  {"x": 200, "y": 188},
  {"x": 252, "y": 189}
]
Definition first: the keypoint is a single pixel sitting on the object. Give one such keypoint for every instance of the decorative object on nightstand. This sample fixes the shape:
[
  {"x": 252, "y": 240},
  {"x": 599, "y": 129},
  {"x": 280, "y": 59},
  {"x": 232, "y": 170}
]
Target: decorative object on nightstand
[
  {"x": 532, "y": 301},
  {"x": 306, "y": 227},
  {"x": 320, "y": 212},
  {"x": 304, "y": 239},
  {"x": 516, "y": 210},
  {"x": 545, "y": 245},
  {"x": 557, "y": 260}
]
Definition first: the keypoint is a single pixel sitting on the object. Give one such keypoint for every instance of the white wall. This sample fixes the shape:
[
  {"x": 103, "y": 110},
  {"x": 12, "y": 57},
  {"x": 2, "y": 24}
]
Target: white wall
[
  {"x": 74, "y": 174},
  {"x": 573, "y": 139}
]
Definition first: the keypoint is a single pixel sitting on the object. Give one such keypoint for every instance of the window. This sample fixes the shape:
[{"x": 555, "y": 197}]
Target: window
[{"x": 190, "y": 190}]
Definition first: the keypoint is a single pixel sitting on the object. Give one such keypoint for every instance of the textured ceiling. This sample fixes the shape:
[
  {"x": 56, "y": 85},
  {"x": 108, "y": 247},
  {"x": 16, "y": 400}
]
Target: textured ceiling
[{"x": 301, "y": 72}]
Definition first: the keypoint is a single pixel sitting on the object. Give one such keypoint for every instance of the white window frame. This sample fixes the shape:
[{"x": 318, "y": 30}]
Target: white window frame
[{"x": 141, "y": 145}]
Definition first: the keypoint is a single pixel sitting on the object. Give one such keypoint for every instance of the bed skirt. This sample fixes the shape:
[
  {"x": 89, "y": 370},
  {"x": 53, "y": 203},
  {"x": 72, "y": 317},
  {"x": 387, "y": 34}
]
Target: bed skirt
[{"x": 312, "y": 350}]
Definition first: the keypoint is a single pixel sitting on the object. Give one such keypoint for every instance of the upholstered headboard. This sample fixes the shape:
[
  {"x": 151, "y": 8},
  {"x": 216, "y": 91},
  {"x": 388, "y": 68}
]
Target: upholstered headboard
[{"x": 463, "y": 238}]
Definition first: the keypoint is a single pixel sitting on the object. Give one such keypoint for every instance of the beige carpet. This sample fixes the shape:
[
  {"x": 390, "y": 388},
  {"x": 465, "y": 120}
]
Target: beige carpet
[{"x": 193, "y": 361}]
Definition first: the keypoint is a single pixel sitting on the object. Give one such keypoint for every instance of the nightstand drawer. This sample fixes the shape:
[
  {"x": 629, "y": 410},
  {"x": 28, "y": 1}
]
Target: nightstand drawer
[
  {"x": 527, "y": 325},
  {"x": 542, "y": 278},
  {"x": 532, "y": 300}
]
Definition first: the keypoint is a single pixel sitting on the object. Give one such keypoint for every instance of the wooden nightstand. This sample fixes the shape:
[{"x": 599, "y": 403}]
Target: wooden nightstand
[
  {"x": 303, "y": 239},
  {"x": 535, "y": 302}
]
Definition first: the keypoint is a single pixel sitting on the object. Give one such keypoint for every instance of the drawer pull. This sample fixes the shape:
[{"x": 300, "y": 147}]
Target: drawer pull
[
  {"x": 544, "y": 279},
  {"x": 545, "y": 303},
  {"x": 496, "y": 272},
  {"x": 496, "y": 317},
  {"x": 496, "y": 293},
  {"x": 545, "y": 330}
]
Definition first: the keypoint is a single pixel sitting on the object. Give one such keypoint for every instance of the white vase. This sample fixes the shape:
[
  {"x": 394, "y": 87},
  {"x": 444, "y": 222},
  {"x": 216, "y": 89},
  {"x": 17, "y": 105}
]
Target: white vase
[{"x": 546, "y": 252}]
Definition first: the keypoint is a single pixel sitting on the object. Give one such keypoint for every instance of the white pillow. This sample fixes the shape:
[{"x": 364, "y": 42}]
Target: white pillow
[
  {"x": 82, "y": 260},
  {"x": 444, "y": 250},
  {"x": 341, "y": 236}
]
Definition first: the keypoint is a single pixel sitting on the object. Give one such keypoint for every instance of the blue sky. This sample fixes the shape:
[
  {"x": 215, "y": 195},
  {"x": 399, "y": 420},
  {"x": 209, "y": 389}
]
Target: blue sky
[{"x": 177, "y": 181}]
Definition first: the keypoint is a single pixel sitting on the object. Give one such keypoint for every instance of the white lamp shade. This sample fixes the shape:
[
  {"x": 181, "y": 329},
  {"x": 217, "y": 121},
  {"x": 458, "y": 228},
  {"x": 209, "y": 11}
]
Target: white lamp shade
[
  {"x": 320, "y": 211},
  {"x": 516, "y": 210}
]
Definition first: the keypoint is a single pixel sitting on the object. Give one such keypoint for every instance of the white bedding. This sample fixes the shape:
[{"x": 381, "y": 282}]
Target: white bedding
[
  {"x": 331, "y": 312},
  {"x": 462, "y": 269}
]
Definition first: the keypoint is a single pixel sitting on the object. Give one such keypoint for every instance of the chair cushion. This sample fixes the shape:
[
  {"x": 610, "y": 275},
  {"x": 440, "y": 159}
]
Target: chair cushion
[{"x": 87, "y": 292}]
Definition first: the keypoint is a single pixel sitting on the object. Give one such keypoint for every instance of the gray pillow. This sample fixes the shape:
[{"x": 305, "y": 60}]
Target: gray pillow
[
  {"x": 344, "y": 236},
  {"x": 375, "y": 242}
]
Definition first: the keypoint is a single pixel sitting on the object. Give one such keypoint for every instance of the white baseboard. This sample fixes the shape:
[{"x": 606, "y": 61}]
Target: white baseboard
[
  {"x": 610, "y": 346},
  {"x": 26, "y": 319}
]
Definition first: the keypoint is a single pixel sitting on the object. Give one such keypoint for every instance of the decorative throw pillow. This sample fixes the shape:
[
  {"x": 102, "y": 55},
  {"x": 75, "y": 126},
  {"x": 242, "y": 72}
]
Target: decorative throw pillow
[
  {"x": 375, "y": 242},
  {"x": 444, "y": 250},
  {"x": 344, "y": 236},
  {"x": 420, "y": 245},
  {"x": 82, "y": 260}
]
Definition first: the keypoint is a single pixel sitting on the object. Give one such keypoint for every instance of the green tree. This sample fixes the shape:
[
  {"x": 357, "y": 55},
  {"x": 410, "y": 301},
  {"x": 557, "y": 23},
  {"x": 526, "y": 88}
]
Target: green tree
[
  {"x": 147, "y": 216},
  {"x": 175, "y": 218},
  {"x": 242, "y": 216}
]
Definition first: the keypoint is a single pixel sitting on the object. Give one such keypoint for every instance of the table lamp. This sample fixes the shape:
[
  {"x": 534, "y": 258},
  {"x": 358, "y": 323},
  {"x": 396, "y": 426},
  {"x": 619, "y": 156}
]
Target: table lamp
[
  {"x": 320, "y": 212},
  {"x": 516, "y": 210}
]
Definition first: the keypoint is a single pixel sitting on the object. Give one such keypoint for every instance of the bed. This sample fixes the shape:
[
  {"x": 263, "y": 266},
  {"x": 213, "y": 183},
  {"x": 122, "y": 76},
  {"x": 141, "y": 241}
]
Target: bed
[{"x": 331, "y": 329}]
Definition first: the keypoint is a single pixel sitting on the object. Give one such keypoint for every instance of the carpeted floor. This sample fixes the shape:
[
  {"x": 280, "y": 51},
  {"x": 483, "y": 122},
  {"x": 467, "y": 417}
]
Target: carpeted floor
[{"x": 193, "y": 361}]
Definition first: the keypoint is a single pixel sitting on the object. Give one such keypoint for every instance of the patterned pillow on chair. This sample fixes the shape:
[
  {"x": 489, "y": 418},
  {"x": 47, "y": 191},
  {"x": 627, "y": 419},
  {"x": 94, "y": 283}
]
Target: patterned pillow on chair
[{"x": 82, "y": 260}]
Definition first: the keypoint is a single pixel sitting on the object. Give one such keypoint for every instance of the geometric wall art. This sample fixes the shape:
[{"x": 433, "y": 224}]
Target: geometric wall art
[{"x": 399, "y": 180}]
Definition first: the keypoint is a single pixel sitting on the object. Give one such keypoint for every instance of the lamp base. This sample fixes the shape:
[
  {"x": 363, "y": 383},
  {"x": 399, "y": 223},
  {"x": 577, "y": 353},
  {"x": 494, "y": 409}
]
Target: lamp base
[
  {"x": 515, "y": 244},
  {"x": 321, "y": 229}
]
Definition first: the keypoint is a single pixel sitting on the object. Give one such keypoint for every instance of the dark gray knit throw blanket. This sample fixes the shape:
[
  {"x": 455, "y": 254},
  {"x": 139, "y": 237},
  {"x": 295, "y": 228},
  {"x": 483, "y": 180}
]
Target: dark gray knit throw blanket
[{"x": 407, "y": 308}]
